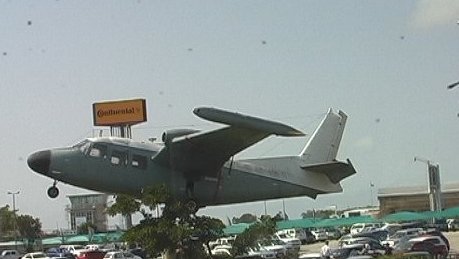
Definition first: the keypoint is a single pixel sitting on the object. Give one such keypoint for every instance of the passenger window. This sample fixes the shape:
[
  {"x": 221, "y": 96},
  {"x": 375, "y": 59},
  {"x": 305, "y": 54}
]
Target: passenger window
[
  {"x": 98, "y": 150},
  {"x": 119, "y": 157},
  {"x": 139, "y": 161}
]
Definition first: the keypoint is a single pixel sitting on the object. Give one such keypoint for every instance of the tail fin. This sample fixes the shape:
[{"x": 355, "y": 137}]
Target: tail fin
[{"x": 324, "y": 142}]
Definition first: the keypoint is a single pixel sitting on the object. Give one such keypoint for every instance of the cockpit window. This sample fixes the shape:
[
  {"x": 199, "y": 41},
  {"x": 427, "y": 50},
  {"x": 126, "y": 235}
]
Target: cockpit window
[
  {"x": 119, "y": 157},
  {"x": 98, "y": 150},
  {"x": 83, "y": 146}
]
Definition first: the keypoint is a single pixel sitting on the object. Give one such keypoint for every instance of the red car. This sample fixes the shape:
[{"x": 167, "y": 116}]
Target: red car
[
  {"x": 91, "y": 254},
  {"x": 432, "y": 244}
]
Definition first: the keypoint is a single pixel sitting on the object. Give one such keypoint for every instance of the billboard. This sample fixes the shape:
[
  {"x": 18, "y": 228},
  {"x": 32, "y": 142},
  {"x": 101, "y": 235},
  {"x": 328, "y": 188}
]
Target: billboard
[{"x": 119, "y": 113}]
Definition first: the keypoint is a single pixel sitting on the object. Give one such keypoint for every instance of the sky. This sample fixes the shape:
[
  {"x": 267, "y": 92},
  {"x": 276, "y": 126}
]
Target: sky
[{"x": 385, "y": 63}]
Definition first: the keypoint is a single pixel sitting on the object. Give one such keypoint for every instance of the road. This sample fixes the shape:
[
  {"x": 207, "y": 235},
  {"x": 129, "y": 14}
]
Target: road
[{"x": 453, "y": 238}]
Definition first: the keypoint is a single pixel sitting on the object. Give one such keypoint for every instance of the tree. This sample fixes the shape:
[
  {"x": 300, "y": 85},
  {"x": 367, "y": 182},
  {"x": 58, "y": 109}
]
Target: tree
[
  {"x": 262, "y": 229},
  {"x": 6, "y": 221},
  {"x": 318, "y": 214},
  {"x": 245, "y": 218},
  {"x": 29, "y": 228},
  {"x": 87, "y": 228},
  {"x": 178, "y": 230}
]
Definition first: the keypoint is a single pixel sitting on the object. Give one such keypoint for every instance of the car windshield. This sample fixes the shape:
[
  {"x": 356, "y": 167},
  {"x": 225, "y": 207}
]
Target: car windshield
[{"x": 39, "y": 255}]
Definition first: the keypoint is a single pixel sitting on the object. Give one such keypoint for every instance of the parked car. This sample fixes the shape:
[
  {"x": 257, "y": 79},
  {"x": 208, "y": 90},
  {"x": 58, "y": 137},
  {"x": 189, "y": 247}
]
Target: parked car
[
  {"x": 436, "y": 233},
  {"x": 299, "y": 233},
  {"x": 359, "y": 227},
  {"x": 372, "y": 246},
  {"x": 221, "y": 250},
  {"x": 347, "y": 251},
  {"x": 139, "y": 252},
  {"x": 222, "y": 241},
  {"x": 453, "y": 224},
  {"x": 91, "y": 254},
  {"x": 332, "y": 233},
  {"x": 432, "y": 244},
  {"x": 401, "y": 236},
  {"x": 440, "y": 224},
  {"x": 57, "y": 252},
  {"x": 35, "y": 255},
  {"x": 319, "y": 234},
  {"x": 120, "y": 255},
  {"x": 391, "y": 228},
  {"x": 10, "y": 254},
  {"x": 277, "y": 246},
  {"x": 293, "y": 244},
  {"x": 92, "y": 247},
  {"x": 74, "y": 249},
  {"x": 378, "y": 234},
  {"x": 309, "y": 237},
  {"x": 261, "y": 252}
]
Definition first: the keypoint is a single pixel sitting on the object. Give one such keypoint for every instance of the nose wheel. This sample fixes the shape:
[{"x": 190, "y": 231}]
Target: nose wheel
[{"x": 53, "y": 191}]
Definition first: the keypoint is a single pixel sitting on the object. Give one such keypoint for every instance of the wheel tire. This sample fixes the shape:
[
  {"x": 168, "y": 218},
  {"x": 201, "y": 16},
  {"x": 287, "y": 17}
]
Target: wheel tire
[
  {"x": 53, "y": 192},
  {"x": 192, "y": 205}
]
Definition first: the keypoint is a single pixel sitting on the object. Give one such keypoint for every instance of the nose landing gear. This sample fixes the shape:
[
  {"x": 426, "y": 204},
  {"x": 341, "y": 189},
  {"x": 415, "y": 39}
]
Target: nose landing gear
[{"x": 53, "y": 191}]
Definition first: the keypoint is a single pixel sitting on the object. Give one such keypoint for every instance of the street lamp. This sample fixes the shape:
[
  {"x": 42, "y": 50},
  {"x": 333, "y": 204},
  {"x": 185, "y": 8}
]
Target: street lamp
[{"x": 14, "y": 214}]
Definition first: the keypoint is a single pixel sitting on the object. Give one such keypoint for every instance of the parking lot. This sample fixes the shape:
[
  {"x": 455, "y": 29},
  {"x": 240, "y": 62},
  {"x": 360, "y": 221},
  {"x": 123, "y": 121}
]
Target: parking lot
[{"x": 453, "y": 238}]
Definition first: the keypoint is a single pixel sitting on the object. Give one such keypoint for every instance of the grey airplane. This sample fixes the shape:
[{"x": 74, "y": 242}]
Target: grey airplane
[{"x": 198, "y": 166}]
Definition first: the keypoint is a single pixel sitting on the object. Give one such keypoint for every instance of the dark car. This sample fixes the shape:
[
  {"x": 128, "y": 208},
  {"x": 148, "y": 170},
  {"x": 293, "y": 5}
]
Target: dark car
[
  {"x": 434, "y": 232},
  {"x": 377, "y": 234},
  {"x": 347, "y": 251},
  {"x": 309, "y": 237},
  {"x": 139, "y": 252},
  {"x": 431, "y": 244}
]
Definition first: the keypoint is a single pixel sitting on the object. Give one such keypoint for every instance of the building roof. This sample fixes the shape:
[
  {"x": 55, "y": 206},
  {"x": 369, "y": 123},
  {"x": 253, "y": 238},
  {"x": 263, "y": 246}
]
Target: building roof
[{"x": 415, "y": 190}]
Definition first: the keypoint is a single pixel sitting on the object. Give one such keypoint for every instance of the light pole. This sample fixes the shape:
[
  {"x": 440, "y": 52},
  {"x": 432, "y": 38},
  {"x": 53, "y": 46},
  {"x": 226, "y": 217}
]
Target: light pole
[{"x": 14, "y": 214}]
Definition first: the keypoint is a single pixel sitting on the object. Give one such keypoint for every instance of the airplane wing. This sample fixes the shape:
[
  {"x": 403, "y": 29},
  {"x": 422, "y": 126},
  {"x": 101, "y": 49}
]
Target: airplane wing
[{"x": 204, "y": 153}]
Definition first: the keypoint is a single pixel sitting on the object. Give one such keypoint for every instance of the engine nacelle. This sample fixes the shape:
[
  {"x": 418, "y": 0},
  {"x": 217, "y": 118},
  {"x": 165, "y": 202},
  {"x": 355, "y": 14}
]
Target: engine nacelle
[{"x": 169, "y": 135}]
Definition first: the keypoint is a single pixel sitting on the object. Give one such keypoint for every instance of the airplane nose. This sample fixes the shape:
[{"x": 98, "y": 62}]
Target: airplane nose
[{"x": 39, "y": 161}]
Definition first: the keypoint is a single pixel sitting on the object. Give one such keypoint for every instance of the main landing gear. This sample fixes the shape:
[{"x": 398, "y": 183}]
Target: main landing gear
[
  {"x": 191, "y": 203},
  {"x": 53, "y": 191}
]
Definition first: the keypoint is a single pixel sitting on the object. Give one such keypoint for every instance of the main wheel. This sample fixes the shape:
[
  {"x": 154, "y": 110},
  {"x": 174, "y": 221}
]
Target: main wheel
[
  {"x": 53, "y": 192},
  {"x": 192, "y": 205}
]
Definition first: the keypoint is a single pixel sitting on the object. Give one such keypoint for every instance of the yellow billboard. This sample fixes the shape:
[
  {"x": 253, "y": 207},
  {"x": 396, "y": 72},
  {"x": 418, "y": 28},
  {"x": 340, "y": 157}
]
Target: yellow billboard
[{"x": 119, "y": 113}]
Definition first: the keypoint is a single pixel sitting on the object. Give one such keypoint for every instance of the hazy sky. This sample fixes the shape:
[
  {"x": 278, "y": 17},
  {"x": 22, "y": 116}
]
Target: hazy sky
[{"x": 385, "y": 63}]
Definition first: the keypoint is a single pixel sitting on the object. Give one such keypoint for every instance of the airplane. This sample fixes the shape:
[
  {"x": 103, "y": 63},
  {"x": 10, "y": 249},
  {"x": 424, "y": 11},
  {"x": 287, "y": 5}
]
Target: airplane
[{"x": 198, "y": 167}]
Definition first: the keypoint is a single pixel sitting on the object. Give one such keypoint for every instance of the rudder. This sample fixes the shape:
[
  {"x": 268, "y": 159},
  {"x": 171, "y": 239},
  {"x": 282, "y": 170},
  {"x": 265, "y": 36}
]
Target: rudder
[{"x": 324, "y": 142}]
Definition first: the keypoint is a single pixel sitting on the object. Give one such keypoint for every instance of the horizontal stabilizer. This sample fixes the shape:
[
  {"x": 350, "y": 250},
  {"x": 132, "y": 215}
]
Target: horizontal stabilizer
[
  {"x": 244, "y": 121},
  {"x": 335, "y": 171}
]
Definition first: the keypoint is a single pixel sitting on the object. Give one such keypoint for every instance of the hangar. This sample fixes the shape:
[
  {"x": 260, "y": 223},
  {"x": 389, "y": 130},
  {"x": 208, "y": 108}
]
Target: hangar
[{"x": 415, "y": 198}]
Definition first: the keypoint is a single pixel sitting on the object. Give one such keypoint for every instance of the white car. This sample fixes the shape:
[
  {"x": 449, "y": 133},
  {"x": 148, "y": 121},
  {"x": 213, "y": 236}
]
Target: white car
[
  {"x": 36, "y": 255},
  {"x": 10, "y": 254},
  {"x": 74, "y": 249},
  {"x": 319, "y": 234},
  {"x": 277, "y": 246},
  {"x": 222, "y": 241},
  {"x": 121, "y": 255},
  {"x": 261, "y": 252},
  {"x": 221, "y": 250}
]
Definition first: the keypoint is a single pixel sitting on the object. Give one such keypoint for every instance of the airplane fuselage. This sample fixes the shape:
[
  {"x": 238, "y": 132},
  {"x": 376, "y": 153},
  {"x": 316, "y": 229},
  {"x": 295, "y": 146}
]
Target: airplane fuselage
[{"x": 113, "y": 165}]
